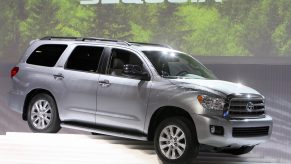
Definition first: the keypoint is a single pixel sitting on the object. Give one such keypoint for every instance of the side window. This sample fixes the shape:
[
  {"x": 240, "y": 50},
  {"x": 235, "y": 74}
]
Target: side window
[
  {"x": 119, "y": 58},
  {"x": 85, "y": 58},
  {"x": 46, "y": 55}
]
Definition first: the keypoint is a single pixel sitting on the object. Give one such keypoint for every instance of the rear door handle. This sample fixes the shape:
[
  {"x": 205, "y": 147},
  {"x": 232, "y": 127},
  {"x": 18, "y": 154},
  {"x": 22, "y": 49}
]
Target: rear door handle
[
  {"x": 104, "y": 83},
  {"x": 59, "y": 76}
]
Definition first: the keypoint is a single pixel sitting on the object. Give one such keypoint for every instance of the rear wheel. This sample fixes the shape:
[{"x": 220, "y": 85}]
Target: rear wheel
[
  {"x": 176, "y": 141},
  {"x": 42, "y": 115}
]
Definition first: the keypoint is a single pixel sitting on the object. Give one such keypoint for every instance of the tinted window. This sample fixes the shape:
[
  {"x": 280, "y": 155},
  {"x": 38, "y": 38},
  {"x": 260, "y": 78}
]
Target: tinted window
[
  {"x": 85, "y": 58},
  {"x": 121, "y": 57},
  {"x": 46, "y": 55}
]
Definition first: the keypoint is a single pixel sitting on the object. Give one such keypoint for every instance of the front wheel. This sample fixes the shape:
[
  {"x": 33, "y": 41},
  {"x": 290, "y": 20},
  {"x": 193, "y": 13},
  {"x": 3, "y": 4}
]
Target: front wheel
[
  {"x": 42, "y": 115},
  {"x": 176, "y": 140}
]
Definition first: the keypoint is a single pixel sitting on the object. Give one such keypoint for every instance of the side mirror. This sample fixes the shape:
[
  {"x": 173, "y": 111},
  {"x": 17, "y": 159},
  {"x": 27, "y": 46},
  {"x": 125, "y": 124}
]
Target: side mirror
[{"x": 135, "y": 70}]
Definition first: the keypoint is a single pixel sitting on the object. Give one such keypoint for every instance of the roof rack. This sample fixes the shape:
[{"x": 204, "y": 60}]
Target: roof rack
[
  {"x": 102, "y": 39},
  {"x": 150, "y": 44},
  {"x": 58, "y": 37},
  {"x": 84, "y": 39}
]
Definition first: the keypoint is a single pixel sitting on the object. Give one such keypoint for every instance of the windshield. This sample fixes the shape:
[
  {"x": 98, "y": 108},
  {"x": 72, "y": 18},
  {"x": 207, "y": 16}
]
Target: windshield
[{"x": 177, "y": 65}]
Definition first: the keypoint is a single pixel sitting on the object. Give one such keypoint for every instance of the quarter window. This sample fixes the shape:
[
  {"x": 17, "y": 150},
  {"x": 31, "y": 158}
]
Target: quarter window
[
  {"x": 46, "y": 55},
  {"x": 85, "y": 58}
]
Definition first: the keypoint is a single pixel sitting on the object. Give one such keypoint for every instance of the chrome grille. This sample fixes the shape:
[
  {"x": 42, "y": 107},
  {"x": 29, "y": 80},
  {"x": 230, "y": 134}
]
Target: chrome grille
[{"x": 245, "y": 107}]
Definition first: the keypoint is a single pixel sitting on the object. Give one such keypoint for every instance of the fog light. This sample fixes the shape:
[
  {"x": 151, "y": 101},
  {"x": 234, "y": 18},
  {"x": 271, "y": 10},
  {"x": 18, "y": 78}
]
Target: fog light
[{"x": 216, "y": 130}]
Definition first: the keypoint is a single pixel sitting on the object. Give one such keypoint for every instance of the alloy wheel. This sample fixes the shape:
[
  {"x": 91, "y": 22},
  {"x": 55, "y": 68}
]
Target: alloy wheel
[
  {"x": 172, "y": 142},
  {"x": 41, "y": 114}
]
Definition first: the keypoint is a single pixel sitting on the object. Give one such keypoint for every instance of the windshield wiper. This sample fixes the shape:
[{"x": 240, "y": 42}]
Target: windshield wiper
[
  {"x": 176, "y": 77},
  {"x": 171, "y": 77}
]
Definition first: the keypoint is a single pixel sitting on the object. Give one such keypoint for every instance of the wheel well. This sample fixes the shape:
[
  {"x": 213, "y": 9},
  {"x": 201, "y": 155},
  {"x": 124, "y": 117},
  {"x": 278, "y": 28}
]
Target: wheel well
[
  {"x": 163, "y": 113},
  {"x": 29, "y": 96}
]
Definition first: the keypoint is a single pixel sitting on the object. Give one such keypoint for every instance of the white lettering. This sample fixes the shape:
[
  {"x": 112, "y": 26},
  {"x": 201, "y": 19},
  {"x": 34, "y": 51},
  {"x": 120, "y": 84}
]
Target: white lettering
[
  {"x": 197, "y": 1},
  {"x": 154, "y": 1},
  {"x": 89, "y": 2},
  {"x": 133, "y": 1},
  {"x": 109, "y": 1},
  {"x": 178, "y": 1}
]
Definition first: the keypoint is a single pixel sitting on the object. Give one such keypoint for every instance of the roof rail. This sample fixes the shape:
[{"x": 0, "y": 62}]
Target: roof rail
[
  {"x": 102, "y": 39},
  {"x": 58, "y": 37},
  {"x": 106, "y": 40},
  {"x": 84, "y": 39},
  {"x": 150, "y": 44}
]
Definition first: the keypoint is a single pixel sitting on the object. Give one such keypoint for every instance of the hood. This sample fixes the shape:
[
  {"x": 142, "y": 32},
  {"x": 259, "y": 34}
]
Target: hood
[{"x": 216, "y": 85}]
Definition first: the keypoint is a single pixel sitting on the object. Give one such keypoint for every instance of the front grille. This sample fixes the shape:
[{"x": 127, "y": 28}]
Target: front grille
[
  {"x": 250, "y": 131},
  {"x": 239, "y": 107}
]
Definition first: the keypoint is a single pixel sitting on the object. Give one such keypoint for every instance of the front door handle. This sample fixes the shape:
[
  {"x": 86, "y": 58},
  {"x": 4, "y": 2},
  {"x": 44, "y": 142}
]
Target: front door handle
[
  {"x": 59, "y": 76},
  {"x": 104, "y": 83}
]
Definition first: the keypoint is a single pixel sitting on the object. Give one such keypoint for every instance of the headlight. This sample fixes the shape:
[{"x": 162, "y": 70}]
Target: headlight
[{"x": 211, "y": 103}]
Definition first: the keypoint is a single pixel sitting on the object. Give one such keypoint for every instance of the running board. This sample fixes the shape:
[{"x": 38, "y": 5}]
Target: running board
[{"x": 105, "y": 132}]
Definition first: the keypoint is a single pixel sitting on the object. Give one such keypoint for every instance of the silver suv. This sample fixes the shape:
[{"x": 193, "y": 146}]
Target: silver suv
[{"x": 139, "y": 91}]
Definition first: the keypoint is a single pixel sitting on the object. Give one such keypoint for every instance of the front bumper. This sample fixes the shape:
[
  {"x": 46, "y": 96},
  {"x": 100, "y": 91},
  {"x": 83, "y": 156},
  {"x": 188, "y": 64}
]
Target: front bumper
[{"x": 203, "y": 123}]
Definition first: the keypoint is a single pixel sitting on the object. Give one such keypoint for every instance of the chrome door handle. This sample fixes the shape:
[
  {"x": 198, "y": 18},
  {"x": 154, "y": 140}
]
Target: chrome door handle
[
  {"x": 59, "y": 76},
  {"x": 104, "y": 83}
]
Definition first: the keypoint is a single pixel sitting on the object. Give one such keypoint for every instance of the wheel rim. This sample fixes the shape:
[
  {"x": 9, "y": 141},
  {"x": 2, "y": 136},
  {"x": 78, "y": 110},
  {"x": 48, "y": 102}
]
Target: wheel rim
[
  {"x": 41, "y": 114},
  {"x": 172, "y": 142}
]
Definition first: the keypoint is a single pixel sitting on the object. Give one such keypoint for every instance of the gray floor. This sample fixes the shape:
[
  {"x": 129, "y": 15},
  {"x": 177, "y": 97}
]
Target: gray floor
[{"x": 272, "y": 81}]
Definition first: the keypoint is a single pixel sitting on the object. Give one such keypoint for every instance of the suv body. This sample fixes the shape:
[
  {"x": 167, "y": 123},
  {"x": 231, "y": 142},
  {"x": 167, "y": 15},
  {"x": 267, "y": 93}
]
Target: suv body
[{"x": 101, "y": 93}]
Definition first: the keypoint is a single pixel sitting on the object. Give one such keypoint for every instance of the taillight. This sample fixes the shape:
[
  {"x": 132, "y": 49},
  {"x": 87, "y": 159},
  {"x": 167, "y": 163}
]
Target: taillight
[{"x": 14, "y": 71}]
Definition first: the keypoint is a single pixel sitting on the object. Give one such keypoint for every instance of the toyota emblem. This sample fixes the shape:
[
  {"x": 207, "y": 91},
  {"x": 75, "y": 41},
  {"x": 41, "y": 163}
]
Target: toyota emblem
[{"x": 250, "y": 106}]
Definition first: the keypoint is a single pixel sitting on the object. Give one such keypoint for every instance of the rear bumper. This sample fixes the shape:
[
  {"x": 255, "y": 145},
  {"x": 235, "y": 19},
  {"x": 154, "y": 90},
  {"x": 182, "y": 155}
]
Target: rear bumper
[{"x": 227, "y": 139}]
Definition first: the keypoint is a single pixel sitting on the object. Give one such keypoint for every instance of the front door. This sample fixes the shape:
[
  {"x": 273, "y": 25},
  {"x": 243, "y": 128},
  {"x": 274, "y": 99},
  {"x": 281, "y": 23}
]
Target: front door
[{"x": 122, "y": 100}]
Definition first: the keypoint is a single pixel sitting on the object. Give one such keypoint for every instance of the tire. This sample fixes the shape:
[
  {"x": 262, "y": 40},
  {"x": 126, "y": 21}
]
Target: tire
[
  {"x": 239, "y": 151},
  {"x": 164, "y": 146},
  {"x": 43, "y": 107}
]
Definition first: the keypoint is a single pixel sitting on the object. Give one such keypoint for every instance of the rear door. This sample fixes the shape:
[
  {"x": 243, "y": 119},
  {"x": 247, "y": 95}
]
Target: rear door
[
  {"x": 122, "y": 100},
  {"x": 77, "y": 84}
]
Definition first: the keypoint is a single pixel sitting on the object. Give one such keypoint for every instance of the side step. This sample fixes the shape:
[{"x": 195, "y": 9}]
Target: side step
[{"x": 105, "y": 132}]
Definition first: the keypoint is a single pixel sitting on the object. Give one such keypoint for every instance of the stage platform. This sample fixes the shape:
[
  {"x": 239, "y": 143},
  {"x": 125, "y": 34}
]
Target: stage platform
[{"x": 32, "y": 148}]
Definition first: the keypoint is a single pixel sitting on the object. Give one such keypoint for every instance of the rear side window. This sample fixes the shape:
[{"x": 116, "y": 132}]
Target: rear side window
[
  {"x": 85, "y": 58},
  {"x": 46, "y": 55}
]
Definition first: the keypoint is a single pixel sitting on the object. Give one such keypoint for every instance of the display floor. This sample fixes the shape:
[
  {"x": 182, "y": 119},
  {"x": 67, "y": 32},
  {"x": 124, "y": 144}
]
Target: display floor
[{"x": 32, "y": 148}]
